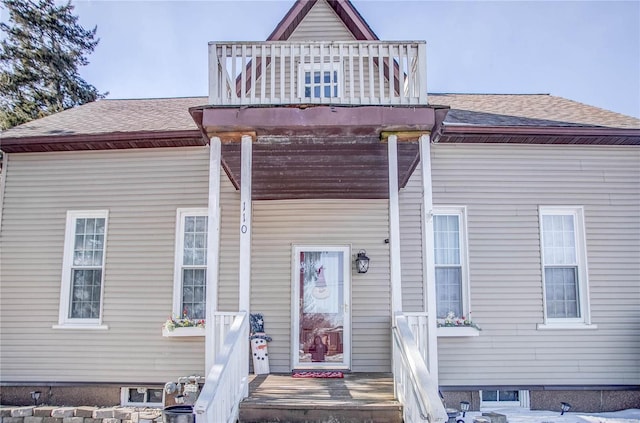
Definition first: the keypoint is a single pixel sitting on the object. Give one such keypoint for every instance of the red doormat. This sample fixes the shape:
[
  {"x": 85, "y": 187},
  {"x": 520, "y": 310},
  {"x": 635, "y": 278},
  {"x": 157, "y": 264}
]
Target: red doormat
[{"x": 317, "y": 375}]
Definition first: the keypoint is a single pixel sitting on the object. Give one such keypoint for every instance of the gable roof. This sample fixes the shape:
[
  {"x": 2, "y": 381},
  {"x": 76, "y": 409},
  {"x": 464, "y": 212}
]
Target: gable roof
[
  {"x": 166, "y": 121},
  {"x": 347, "y": 13}
]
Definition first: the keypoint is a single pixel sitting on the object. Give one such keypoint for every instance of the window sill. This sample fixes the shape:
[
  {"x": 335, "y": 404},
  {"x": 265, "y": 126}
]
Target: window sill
[
  {"x": 566, "y": 326},
  {"x": 459, "y": 331},
  {"x": 80, "y": 327},
  {"x": 190, "y": 331}
]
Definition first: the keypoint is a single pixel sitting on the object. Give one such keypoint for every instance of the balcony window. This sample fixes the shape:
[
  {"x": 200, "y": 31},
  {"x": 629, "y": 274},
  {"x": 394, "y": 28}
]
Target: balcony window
[{"x": 319, "y": 80}]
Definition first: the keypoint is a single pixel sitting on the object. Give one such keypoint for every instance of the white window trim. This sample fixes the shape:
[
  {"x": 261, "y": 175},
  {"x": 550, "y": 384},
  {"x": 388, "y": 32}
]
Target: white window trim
[
  {"x": 64, "y": 321},
  {"x": 124, "y": 398},
  {"x": 584, "y": 321},
  {"x": 461, "y": 212},
  {"x": 523, "y": 401},
  {"x": 321, "y": 67},
  {"x": 181, "y": 213}
]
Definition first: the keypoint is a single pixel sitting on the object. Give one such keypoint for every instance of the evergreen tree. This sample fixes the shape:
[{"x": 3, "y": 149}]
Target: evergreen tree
[{"x": 39, "y": 58}]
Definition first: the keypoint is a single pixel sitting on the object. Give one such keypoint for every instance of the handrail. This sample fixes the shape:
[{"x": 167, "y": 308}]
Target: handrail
[
  {"x": 413, "y": 374},
  {"x": 289, "y": 72},
  {"x": 228, "y": 381}
]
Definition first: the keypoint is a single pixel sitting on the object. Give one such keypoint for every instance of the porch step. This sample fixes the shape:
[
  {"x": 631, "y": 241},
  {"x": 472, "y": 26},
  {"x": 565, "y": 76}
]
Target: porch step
[{"x": 359, "y": 397}]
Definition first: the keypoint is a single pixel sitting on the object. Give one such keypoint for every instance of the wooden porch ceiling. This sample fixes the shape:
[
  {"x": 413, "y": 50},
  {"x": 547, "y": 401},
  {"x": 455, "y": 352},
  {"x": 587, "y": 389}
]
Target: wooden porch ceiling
[
  {"x": 319, "y": 151},
  {"x": 337, "y": 168}
]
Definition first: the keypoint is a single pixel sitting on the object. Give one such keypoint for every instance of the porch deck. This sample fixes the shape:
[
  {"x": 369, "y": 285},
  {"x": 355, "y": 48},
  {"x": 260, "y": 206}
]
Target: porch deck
[{"x": 358, "y": 397}]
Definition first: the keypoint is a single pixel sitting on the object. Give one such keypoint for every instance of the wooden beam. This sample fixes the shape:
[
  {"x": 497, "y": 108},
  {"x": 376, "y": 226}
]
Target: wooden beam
[
  {"x": 402, "y": 136},
  {"x": 429, "y": 271},
  {"x": 234, "y": 136},
  {"x": 394, "y": 227},
  {"x": 213, "y": 256},
  {"x": 244, "y": 294}
]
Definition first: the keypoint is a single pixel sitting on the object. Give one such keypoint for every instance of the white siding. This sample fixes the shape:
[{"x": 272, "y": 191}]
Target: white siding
[
  {"x": 321, "y": 23},
  {"x": 502, "y": 186},
  {"x": 413, "y": 292},
  {"x": 363, "y": 224},
  {"x": 142, "y": 190}
]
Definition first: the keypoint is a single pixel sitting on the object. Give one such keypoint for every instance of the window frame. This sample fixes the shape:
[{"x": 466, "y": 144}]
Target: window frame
[
  {"x": 523, "y": 399},
  {"x": 181, "y": 214},
  {"x": 64, "y": 321},
  {"x": 461, "y": 213},
  {"x": 577, "y": 213},
  {"x": 124, "y": 397},
  {"x": 334, "y": 66}
]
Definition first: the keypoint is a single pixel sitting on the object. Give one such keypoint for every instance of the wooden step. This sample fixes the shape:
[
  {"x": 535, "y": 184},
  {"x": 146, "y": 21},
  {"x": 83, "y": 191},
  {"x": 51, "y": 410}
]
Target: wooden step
[{"x": 359, "y": 397}]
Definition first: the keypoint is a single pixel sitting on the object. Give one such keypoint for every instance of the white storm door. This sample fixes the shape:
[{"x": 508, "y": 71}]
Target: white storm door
[{"x": 321, "y": 312}]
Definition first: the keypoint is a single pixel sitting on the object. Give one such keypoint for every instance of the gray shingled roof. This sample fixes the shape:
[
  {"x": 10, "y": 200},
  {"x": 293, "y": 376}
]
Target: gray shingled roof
[
  {"x": 172, "y": 114},
  {"x": 527, "y": 110},
  {"x": 108, "y": 116}
]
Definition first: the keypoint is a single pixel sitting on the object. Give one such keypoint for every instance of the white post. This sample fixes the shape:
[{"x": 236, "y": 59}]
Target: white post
[
  {"x": 213, "y": 256},
  {"x": 245, "y": 225},
  {"x": 3, "y": 182},
  {"x": 422, "y": 73},
  {"x": 429, "y": 267},
  {"x": 394, "y": 227},
  {"x": 214, "y": 75}
]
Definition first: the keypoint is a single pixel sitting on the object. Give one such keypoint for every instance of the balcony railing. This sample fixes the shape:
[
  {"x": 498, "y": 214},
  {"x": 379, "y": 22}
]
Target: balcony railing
[{"x": 340, "y": 73}]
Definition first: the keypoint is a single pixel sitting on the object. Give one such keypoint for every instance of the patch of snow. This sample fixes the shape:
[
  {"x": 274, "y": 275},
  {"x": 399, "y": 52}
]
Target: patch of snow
[{"x": 520, "y": 415}]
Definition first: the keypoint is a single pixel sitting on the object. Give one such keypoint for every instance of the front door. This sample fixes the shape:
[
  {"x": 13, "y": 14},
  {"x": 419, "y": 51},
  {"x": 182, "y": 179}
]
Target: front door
[{"x": 321, "y": 336}]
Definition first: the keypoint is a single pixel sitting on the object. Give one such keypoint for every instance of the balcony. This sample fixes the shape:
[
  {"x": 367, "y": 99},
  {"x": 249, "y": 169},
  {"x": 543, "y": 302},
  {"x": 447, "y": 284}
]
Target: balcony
[{"x": 331, "y": 73}]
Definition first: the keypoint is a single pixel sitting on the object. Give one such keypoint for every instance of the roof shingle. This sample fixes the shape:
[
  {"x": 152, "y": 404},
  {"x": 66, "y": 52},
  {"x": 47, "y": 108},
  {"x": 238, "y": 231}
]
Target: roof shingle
[{"x": 172, "y": 114}]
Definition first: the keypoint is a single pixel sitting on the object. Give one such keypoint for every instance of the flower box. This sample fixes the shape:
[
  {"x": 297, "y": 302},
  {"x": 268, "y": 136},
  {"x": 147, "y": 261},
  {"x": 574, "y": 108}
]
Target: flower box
[
  {"x": 457, "y": 331},
  {"x": 185, "y": 331}
]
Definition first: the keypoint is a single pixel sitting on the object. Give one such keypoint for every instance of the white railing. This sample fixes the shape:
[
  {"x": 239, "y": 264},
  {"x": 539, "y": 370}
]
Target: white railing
[
  {"x": 415, "y": 389},
  {"x": 228, "y": 381},
  {"x": 418, "y": 323},
  {"x": 337, "y": 72}
]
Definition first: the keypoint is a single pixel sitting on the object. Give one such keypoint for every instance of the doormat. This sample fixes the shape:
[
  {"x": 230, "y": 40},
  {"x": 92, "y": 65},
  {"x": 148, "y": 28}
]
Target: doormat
[{"x": 317, "y": 374}]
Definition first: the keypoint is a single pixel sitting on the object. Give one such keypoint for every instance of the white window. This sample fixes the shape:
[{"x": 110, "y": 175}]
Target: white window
[
  {"x": 499, "y": 398},
  {"x": 564, "y": 265},
  {"x": 450, "y": 255},
  {"x": 83, "y": 269},
  {"x": 141, "y": 397},
  {"x": 320, "y": 80},
  {"x": 189, "y": 298}
]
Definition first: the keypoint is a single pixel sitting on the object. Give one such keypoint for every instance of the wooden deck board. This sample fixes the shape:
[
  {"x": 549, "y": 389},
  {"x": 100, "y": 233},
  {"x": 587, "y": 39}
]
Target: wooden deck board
[
  {"x": 357, "y": 398},
  {"x": 354, "y": 388}
]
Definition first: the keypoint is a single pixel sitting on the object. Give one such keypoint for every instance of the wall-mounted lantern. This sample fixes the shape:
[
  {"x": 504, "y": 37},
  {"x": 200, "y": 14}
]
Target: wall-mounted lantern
[
  {"x": 564, "y": 406},
  {"x": 362, "y": 262}
]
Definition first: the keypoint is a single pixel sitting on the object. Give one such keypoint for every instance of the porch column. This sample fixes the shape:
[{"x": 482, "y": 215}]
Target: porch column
[
  {"x": 244, "y": 284},
  {"x": 429, "y": 266},
  {"x": 213, "y": 254},
  {"x": 394, "y": 227}
]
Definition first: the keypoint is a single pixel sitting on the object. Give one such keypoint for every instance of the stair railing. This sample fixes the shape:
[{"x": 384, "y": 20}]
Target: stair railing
[
  {"x": 228, "y": 381},
  {"x": 415, "y": 389}
]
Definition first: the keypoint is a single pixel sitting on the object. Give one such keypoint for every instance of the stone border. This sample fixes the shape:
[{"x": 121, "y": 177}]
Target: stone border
[{"x": 49, "y": 414}]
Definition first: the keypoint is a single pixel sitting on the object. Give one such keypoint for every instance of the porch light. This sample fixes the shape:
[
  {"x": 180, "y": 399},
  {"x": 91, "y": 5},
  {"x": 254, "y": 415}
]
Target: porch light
[
  {"x": 565, "y": 406},
  {"x": 464, "y": 407},
  {"x": 362, "y": 262}
]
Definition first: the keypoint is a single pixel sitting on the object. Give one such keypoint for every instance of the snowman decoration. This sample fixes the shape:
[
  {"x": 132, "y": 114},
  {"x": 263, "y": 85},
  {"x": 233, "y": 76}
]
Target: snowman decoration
[
  {"x": 259, "y": 350},
  {"x": 320, "y": 291}
]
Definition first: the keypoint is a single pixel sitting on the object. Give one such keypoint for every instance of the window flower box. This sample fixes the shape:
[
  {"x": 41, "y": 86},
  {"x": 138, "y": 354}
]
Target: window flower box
[
  {"x": 453, "y": 326},
  {"x": 183, "y": 331},
  {"x": 457, "y": 331},
  {"x": 183, "y": 327}
]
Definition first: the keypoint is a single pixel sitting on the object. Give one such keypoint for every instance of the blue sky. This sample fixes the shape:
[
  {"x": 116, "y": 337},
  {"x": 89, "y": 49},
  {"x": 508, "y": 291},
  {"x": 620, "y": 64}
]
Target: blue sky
[{"x": 588, "y": 51}]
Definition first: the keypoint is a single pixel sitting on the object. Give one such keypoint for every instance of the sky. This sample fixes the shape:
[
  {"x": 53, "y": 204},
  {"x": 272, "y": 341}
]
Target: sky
[{"x": 587, "y": 51}]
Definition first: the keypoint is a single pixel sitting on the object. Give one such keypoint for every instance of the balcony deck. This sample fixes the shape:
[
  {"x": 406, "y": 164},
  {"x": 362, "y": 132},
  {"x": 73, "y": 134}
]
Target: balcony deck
[{"x": 337, "y": 72}]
